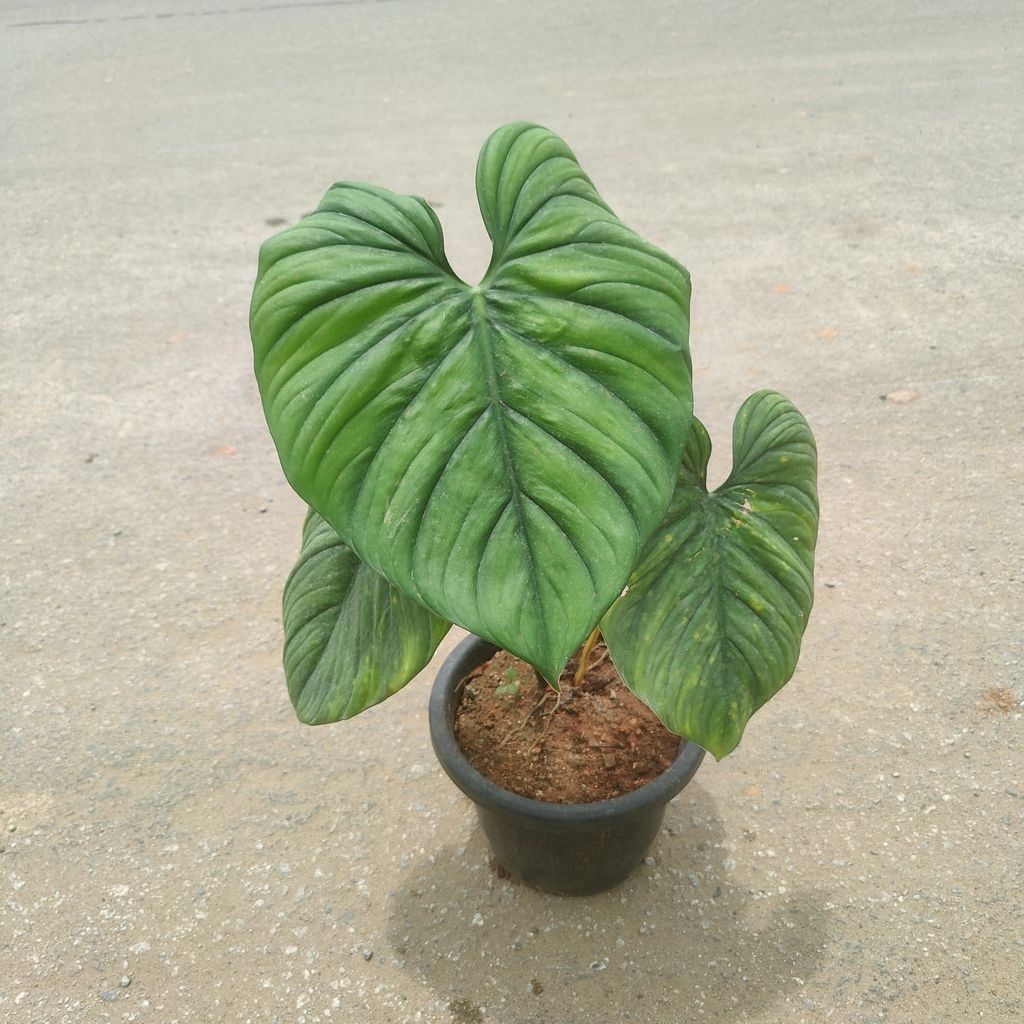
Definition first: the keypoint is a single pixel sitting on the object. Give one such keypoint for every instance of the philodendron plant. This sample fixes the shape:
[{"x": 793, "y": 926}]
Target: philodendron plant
[{"x": 520, "y": 456}]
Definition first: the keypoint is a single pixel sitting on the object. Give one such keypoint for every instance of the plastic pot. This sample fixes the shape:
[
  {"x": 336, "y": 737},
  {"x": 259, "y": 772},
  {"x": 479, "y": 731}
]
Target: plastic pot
[{"x": 567, "y": 849}]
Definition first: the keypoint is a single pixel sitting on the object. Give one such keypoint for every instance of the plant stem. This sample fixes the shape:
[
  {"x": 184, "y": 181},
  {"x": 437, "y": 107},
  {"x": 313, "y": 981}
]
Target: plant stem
[{"x": 588, "y": 646}]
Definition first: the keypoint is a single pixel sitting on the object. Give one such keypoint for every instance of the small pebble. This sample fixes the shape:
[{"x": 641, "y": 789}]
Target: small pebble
[
  {"x": 125, "y": 981},
  {"x": 901, "y": 397}
]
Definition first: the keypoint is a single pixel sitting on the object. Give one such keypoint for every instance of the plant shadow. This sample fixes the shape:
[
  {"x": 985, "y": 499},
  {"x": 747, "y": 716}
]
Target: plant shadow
[{"x": 677, "y": 940}]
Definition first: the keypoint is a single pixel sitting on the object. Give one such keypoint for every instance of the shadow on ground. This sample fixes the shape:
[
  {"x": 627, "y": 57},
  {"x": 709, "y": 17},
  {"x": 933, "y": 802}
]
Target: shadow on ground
[{"x": 677, "y": 938}]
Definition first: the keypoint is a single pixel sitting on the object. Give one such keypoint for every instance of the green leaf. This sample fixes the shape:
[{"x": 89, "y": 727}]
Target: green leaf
[
  {"x": 506, "y": 689},
  {"x": 500, "y": 452},
  {"x": 711, "y": 624},
  {"x": 351, "y": 639}
]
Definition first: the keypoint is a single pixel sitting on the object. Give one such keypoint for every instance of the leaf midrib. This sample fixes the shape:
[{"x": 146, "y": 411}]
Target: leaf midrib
[
  {"x": 483, "y": 333},
  {"x": 717, "y": 512},
  {"x": 723, "y": 507}
]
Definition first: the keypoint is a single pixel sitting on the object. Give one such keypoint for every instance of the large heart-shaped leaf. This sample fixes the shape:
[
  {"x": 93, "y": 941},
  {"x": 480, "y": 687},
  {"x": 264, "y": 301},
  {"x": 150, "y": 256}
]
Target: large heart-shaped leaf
[
  {"x": 499, "y": 452},
  {"x": 351, "y": 639},
  {"x": 711, "y": 624}
]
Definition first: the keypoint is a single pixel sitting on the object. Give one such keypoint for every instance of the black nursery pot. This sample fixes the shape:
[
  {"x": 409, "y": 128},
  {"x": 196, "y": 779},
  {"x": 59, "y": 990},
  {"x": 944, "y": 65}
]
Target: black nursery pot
[{"x": 567, "y": 849}]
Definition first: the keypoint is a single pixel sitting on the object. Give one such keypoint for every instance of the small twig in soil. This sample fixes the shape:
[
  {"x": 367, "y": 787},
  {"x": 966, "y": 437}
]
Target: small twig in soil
[
  {"x": 522, "y": 724},
  {"x": 539, "y": 739},
  {"x": 565, "y": 695}
]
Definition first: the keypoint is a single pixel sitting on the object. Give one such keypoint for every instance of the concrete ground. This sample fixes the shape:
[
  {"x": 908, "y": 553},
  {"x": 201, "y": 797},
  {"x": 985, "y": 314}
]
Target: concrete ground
[{"x": 843, "y": 181}]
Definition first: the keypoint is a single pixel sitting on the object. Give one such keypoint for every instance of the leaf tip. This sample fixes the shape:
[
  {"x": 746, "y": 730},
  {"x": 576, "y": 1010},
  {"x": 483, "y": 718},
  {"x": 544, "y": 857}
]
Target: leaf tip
[
  {"x": 310, "y": 712},
  {"x": 721, "y": 747}
]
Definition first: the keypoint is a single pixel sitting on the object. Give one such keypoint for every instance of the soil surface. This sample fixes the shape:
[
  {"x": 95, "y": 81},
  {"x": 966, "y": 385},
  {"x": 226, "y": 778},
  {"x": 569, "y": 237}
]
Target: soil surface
[{"x": 594, "y": 742}]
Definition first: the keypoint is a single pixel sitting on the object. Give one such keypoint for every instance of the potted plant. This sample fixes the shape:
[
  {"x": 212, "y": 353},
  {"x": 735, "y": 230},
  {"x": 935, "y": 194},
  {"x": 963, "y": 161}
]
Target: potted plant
[{"x": 520, "y": 457}]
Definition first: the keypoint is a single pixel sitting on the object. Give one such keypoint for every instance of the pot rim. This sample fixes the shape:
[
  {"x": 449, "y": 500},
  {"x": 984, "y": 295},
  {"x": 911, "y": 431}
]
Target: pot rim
[{"x": 467, "y": 655}]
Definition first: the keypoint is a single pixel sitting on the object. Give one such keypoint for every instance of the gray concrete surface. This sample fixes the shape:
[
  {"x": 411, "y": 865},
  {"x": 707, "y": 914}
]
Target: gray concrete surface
[{"x": 843, "y": 182}]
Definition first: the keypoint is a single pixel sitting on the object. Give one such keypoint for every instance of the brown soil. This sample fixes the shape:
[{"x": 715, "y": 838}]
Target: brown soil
[{"x": 595, "y": 742}]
